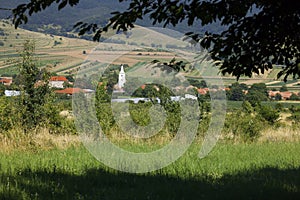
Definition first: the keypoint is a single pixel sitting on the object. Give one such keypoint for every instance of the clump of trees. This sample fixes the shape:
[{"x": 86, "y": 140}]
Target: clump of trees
[
  {"x": 255, "y": 94},
  {"x": 245, "y": 124},
  {"x": 248, "y": 122},
  {"x": 237, "y": 92},
  {"x": 35, "y": 107}
]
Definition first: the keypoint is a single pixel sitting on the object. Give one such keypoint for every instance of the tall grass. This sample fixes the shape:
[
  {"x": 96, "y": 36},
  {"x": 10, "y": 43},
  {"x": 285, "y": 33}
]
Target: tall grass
[
  {"x": 38, "y": 139},
  {"x": 240, "y": 171}
]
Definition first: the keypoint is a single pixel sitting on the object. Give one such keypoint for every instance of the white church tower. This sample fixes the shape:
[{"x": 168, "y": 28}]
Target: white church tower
[{"x": 122, "y": 79}]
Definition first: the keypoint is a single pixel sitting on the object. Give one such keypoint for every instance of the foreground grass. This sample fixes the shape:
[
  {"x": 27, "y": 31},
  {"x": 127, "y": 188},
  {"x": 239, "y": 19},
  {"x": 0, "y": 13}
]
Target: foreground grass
[{"x": 231, "y": 171}]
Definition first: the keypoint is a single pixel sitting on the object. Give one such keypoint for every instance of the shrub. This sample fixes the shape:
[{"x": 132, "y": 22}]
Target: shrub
[
  {"x": 268, "y": 113},
  {"x": 283, "y": 88},
  {"x": 294, "y": 97},
  {"x": 244, "y": 126}
]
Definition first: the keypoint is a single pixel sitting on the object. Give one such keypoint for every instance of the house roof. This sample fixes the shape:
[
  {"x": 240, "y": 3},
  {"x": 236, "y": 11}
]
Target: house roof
[
  {"x": 58, "y": 78},
  {"x": 286, "y": 95},
  {"x": 69, "y": 91},
  {"x": 201, "y": 91},
  {"x": 273, "y": 93},
  {"x": 143, "y": 86},
  {"x": 5, "y": 80}
]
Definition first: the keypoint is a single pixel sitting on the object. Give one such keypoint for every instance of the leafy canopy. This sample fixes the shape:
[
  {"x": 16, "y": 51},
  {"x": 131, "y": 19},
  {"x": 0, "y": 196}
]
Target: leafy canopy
[{"x": 258, "y": 33}]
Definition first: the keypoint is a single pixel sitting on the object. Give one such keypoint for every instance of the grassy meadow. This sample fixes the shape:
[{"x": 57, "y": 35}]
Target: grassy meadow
[{"x": 46, "y": 166}]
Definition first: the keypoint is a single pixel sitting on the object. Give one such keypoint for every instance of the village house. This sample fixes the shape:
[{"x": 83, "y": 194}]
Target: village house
[
  {"x": 57, "y": 81},
  {"x": 12, "y": 93},
  {"x": 71, "y": 91},
  {"x": 202, "y": 91},
  {"x": 6, "y": 81},
  {"x": 284, "y": 95}
]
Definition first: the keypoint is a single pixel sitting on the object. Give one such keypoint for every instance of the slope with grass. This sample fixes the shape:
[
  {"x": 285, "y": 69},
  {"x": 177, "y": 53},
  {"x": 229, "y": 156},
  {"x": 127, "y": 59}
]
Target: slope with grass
[
  {"x": 66, "y": 55},
  {"x": 54, "y": 52}
]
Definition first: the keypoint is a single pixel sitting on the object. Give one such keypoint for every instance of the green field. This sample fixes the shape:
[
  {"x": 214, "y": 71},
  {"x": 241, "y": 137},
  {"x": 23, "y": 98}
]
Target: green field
[{"x": 231, "y": 171}]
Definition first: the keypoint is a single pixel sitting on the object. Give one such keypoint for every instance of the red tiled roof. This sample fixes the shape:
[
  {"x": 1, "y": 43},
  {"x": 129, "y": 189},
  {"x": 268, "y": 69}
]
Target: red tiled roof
[
  {"x": 69, "y": 91},
  {"x": 58, "y": 78},
  {"x": 273, "y": 93},
  {"x": 286, "y": 95},
  {"x": 202, "y": 91},
  {"x": 143, "y": 86},
  {"x": 5, "y": 80}
]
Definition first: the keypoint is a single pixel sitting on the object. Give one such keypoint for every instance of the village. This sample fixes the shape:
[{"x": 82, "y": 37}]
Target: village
[{"x": 61, "y": 85}]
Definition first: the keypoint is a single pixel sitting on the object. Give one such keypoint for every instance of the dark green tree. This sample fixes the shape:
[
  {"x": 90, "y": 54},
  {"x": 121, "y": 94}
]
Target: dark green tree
[
  {"x": 257, "y": 93},
  {"x": 294, "y": 97},
  {"x": 268, "y": 113},
  {"x": 35, "y": 91},
  {"x": 112, "y": 80},
  {"x": 236, "y": 92},
  {"x": 278, "y": 97},
  {"x": 2, "y": 89},
  {"x": 253, "y": 39},
  {"x": 283, "y": 88},
  {"x": 197, "y": 83}
]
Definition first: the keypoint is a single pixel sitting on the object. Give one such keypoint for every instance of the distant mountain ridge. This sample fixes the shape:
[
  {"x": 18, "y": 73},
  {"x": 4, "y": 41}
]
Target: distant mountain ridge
[{"x": 56, "y": 22}]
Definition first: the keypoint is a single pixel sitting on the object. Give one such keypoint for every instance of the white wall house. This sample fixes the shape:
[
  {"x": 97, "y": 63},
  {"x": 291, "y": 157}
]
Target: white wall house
[
  {"x": 57, "y": 81},
  {"x": 12, "y": 93}
]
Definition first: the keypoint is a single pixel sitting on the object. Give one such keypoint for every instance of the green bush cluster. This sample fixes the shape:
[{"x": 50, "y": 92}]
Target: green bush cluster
[
  {"x": 244, "y": 126},
  {"x": 248, "y": 122},
  {"x": 12, "y": 118},
  {"x": 139, "y": 113}
]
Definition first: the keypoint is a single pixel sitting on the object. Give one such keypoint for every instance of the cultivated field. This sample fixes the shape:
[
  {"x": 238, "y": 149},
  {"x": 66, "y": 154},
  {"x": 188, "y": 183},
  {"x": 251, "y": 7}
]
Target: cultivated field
[{"x": 66, "y": 55}]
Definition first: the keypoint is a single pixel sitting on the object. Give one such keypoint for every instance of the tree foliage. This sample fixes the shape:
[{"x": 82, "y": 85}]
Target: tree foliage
[
  {"x": 257, "y": 92},
  {"x": 258, "y": 33},
  {"x": 34, "y": 87},
  {"x": 236, "y": 92}
]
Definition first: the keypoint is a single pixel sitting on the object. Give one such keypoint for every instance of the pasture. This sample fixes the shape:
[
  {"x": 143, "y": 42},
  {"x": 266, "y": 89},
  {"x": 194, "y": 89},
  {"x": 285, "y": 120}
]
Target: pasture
[{"x": 231, "y": 171}]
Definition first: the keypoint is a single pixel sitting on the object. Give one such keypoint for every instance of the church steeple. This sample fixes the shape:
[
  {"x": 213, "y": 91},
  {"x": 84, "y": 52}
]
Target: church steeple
[{"x": 122, "y": 79}]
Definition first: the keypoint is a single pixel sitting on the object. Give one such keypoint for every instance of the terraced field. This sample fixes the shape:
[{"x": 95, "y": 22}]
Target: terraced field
[{"x": 69, "y": 55}]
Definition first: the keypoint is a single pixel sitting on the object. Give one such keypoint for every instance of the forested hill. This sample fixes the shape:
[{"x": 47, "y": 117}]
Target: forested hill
[
  {"x": 58, "y": 22},
  {"x": 52, "y": 21}
]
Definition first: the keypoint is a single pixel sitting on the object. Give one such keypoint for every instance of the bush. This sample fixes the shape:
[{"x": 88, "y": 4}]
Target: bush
[
  {"x": 9, "y": 114},
  {"x": 268, "y": 113},
  {"x": 244, "y": 126},
  {"x": 294, "y": 97}
]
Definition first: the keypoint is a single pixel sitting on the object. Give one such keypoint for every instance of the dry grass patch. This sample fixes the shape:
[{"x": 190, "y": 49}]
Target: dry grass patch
[
  {"x": 41, "y": 139},
  {"x": 282, "y": 134}
]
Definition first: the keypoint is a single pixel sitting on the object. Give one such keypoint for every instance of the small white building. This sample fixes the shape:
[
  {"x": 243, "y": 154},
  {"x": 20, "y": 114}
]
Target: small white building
[
  {"x": 12, "y": 93},
  {"x": 57, "y": 81},
  {"x": 189, "y": 96}
]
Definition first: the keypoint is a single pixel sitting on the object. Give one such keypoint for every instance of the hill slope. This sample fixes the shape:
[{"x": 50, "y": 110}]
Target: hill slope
[{"x": 52, "y": 21}]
